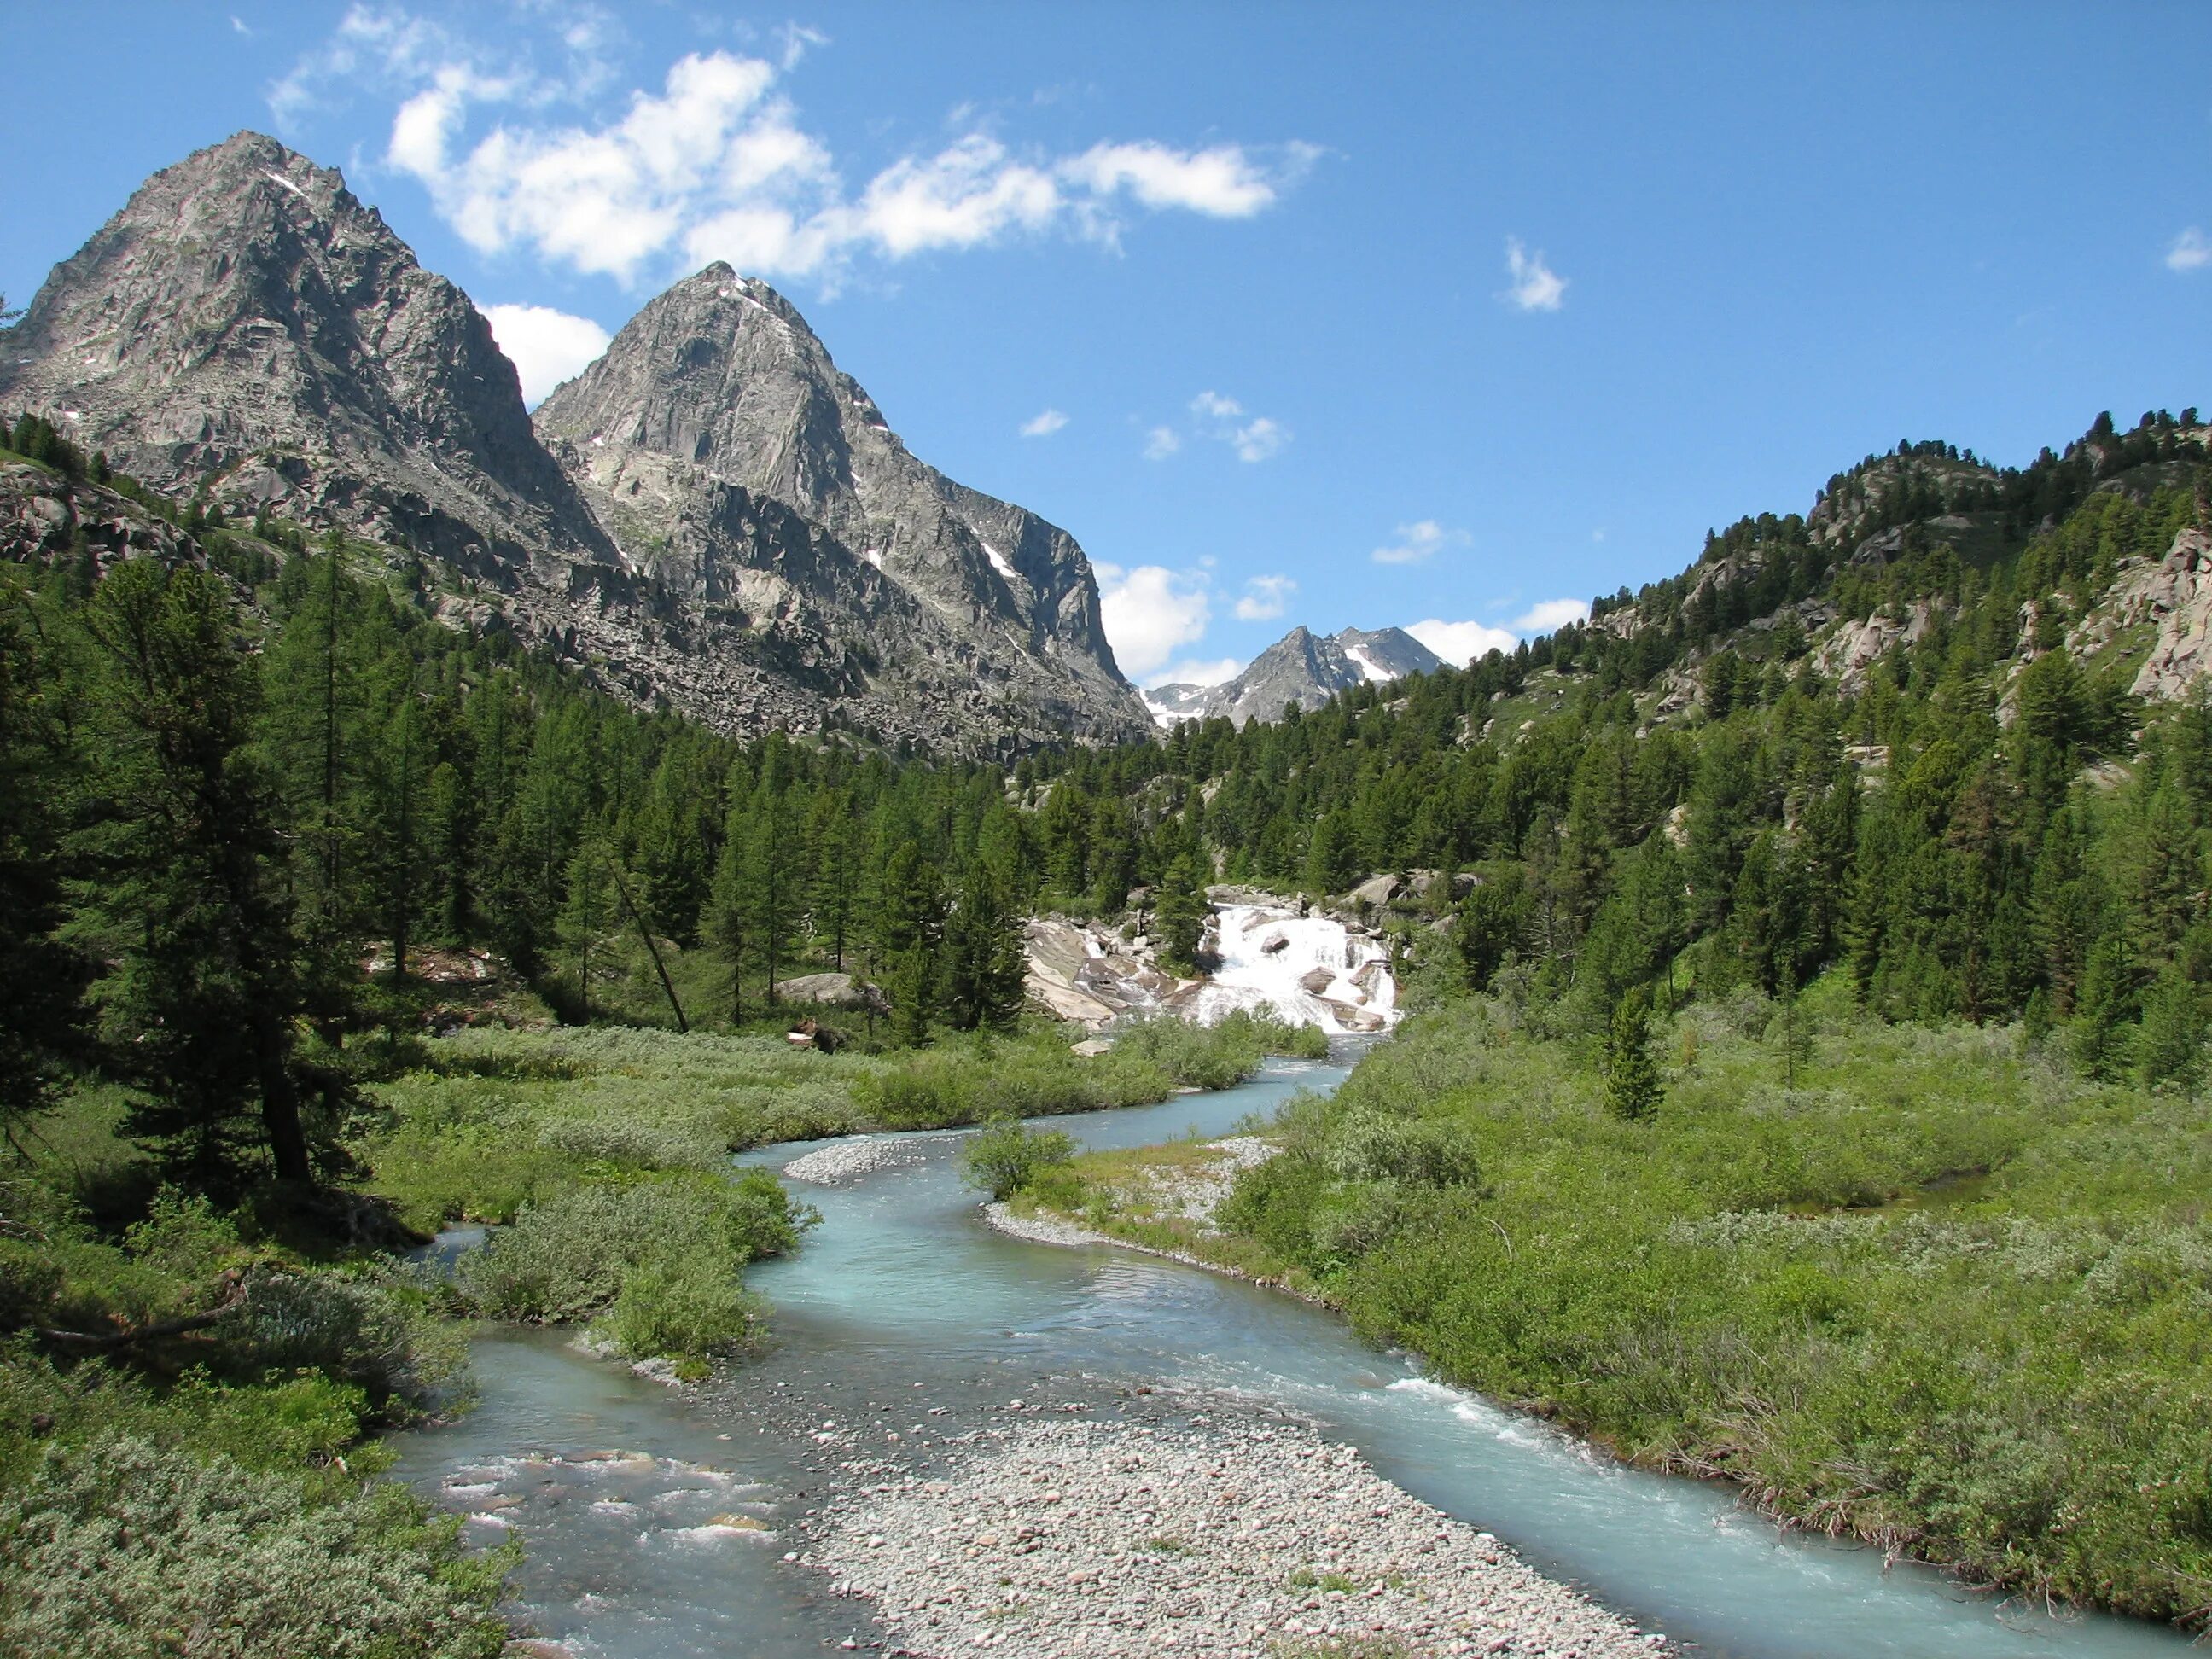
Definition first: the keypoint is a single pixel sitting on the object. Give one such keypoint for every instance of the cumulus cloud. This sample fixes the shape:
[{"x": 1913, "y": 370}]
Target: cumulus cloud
[
  {"x": 1258, "y": 440},
  {"x": 1221, "y": 418},
  {"x": 1265, "y": 597},
  {"x": 1043, "y": 424},
  {"x": 1151, "y": 612},
  {"x": 545, "y": 346},
  {"x": 1418, "y": 541},
  {"x": 1535, "y": 285},
  {"x": 1550, "y": 615},
  {"x": 1460, "y": 643},
  {"x": 715, "y": 163},
  {"x": 2191, "y": 251}
]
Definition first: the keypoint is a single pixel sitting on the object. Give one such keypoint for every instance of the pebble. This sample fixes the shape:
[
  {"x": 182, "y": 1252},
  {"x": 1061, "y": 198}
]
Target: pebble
[
  {"x": 849, "y": 1160},
  {"x": 1218, "y": 1535}
]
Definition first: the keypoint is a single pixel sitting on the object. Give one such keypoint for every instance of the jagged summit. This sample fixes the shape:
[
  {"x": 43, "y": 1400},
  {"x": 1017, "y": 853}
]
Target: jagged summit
[
  {"x": 244, "y": 321},
  {"x": 731, "y": 525},
  {"x": 718, "y": 391},
  {"x": 1302, "y": 667}
]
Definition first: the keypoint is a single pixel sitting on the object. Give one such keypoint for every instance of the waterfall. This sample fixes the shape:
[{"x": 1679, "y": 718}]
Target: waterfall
[{"x": 1307, "y": 969}]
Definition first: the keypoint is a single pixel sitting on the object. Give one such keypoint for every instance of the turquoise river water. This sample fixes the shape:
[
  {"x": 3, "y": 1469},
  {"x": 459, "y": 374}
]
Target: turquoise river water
[{"x": 656, "y": 1524}]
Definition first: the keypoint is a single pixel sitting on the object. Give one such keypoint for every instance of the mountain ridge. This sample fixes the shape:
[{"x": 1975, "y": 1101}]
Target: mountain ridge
[
  {"x": 1302, "y": 667},
  {"x": 245, "y": 332}
]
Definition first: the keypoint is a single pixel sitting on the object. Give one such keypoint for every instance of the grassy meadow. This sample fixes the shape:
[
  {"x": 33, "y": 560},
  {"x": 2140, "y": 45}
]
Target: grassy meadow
[{"x": 1925, "y": 1286}]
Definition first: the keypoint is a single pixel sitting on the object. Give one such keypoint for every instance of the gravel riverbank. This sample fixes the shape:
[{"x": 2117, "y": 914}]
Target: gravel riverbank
[
  {"x": 849, "y": 1160},
  {"x": 1222, "y": 1534}
]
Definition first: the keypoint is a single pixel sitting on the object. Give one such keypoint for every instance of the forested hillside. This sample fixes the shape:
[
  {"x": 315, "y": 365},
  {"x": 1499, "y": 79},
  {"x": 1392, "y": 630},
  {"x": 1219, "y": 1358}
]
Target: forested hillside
[
  {"x": 277, "y": 806},
  {"x": 1980, "y": 817}
]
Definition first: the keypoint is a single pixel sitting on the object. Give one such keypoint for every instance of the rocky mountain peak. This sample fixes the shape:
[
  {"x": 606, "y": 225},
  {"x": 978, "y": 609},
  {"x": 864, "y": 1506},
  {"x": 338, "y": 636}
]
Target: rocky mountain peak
[
  {"x": 720, "y": 385},
  {"x": 716, "y": 515},
  {"x": 243, "y": 323},
  {"x": 1302, "y": 667}
]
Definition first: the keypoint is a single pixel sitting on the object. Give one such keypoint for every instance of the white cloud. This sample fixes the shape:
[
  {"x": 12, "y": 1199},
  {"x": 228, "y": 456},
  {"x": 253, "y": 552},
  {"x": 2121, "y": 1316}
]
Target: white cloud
[
  {"x": 1043, "y": 424},
  {"x": 1536, "y": 286},
  {"x": 1222, "y": 418},
  {"x": 1219, "y": 671},
  {"x": 238, "y": 24},
  {"x": 1265, "y": 597},
  {"x": 1418, "y": 541},
  {"x": 1550, "y": 615},
  {"x": 2191, "y": 251},
  {"x": 1151, "y": 612},
  {"x": 1259, "y": 440},
  {"x": 715, "y": 164},
  {"x": 1460, "y": 643},
  {"x": 545, "y": 346},
  {"x": 1223, "y": 183}
]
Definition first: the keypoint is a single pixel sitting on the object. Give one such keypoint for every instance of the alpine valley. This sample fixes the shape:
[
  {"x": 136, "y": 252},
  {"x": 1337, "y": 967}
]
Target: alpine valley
[{"x": 618, "y": 1034}]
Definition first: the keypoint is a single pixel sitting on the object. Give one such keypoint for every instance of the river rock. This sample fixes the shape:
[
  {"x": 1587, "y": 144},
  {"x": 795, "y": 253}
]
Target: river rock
[{"x": 1084, "y": 1538}]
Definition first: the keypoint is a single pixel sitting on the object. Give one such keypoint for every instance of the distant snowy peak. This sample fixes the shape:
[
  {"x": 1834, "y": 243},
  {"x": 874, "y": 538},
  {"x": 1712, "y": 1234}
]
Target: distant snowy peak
[{"x": 1302, "y": 668}]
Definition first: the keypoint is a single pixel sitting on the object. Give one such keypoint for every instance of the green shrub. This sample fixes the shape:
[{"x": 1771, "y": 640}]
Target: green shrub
[
  {"x": 687, "y": 1307},
  {"x": 577, "y": 1253},
  {"x": 1006, "y": 1157},
  {"x": 354, "y": 1330},
  {"x": 121, "y": 1550}
]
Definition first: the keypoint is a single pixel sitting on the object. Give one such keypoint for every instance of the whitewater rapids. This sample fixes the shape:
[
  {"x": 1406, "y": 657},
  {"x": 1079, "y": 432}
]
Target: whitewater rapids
[{"x": 1304, "y": 969}]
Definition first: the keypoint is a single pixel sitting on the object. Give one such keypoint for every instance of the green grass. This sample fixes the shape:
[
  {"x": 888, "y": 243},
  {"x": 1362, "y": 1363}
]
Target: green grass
[
  {"x": 496, "y": 1119},
  {"x": 1942, "y": 1295}
]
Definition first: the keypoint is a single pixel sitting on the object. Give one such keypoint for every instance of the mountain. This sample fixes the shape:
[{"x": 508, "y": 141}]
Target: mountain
[
  {"x": 717, "y": 404},
  {"x": 722, "y": 520},
  {"x": 1302, "y": 668}
]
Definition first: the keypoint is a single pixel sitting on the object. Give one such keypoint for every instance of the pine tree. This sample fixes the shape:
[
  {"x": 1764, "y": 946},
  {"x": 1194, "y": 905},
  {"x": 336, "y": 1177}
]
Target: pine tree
[
  {"x": 984, "y": 961},
  {"x": 1180, "y": 914},
  {"x": 209, "y": 980},
  {"x": 2099, "y": 1036},
  {"x": 2171, "y": 1048},
  {"x": 1493, "y": 921},
  {"x": 42, "y": 980},
  {"x": 729, "y": 913},
  {"x": 587, "y": 913},
  {"x": 1633, "y": 1084}
]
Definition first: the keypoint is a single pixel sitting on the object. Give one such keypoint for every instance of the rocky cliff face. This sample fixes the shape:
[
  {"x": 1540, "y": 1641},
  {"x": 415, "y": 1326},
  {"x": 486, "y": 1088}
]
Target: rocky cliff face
[
  {"x": 246, "y": 324},
  {"x": 717, "y": 402},
  {"x": 1302, "y": 667},
  {"x": 730, "y": 524}
]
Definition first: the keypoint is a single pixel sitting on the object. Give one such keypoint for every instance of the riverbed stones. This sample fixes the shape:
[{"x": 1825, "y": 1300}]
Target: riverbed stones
[
  {"x": 1222, "y": 1535},
  {"x": 849, "y": 1160}
]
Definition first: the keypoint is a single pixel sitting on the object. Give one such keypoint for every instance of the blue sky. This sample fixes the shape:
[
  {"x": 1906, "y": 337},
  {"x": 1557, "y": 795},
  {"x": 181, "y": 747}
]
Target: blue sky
[{"x": 1291, "y": 314}]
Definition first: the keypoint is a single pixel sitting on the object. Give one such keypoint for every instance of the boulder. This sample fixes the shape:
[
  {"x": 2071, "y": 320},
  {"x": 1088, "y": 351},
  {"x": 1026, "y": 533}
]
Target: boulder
[
  {"x": 830, "y": 991},
  {"x": 1376, "y": 889},
  {"x": 1090, "y": 1047},
  {"x": 1314, "y": 980}
]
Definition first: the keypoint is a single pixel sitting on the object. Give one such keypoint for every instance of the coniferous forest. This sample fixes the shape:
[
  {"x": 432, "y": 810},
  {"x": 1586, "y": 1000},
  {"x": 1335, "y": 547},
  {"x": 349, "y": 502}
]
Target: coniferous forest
[{"x": 1812, "y": 956}]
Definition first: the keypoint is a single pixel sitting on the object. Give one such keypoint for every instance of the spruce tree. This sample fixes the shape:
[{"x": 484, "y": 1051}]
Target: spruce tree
[
  {"x": 1633, "y": 1084},
  {"x": 1180, "y": 914},
  {"x": 985, "y": 966},
  {"x": 42, "y": 980},
  {"x": 208, "y": 979}
]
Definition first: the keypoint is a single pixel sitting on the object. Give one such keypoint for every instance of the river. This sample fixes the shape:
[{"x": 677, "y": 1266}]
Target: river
[{"x": 656, "y": 1524}]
